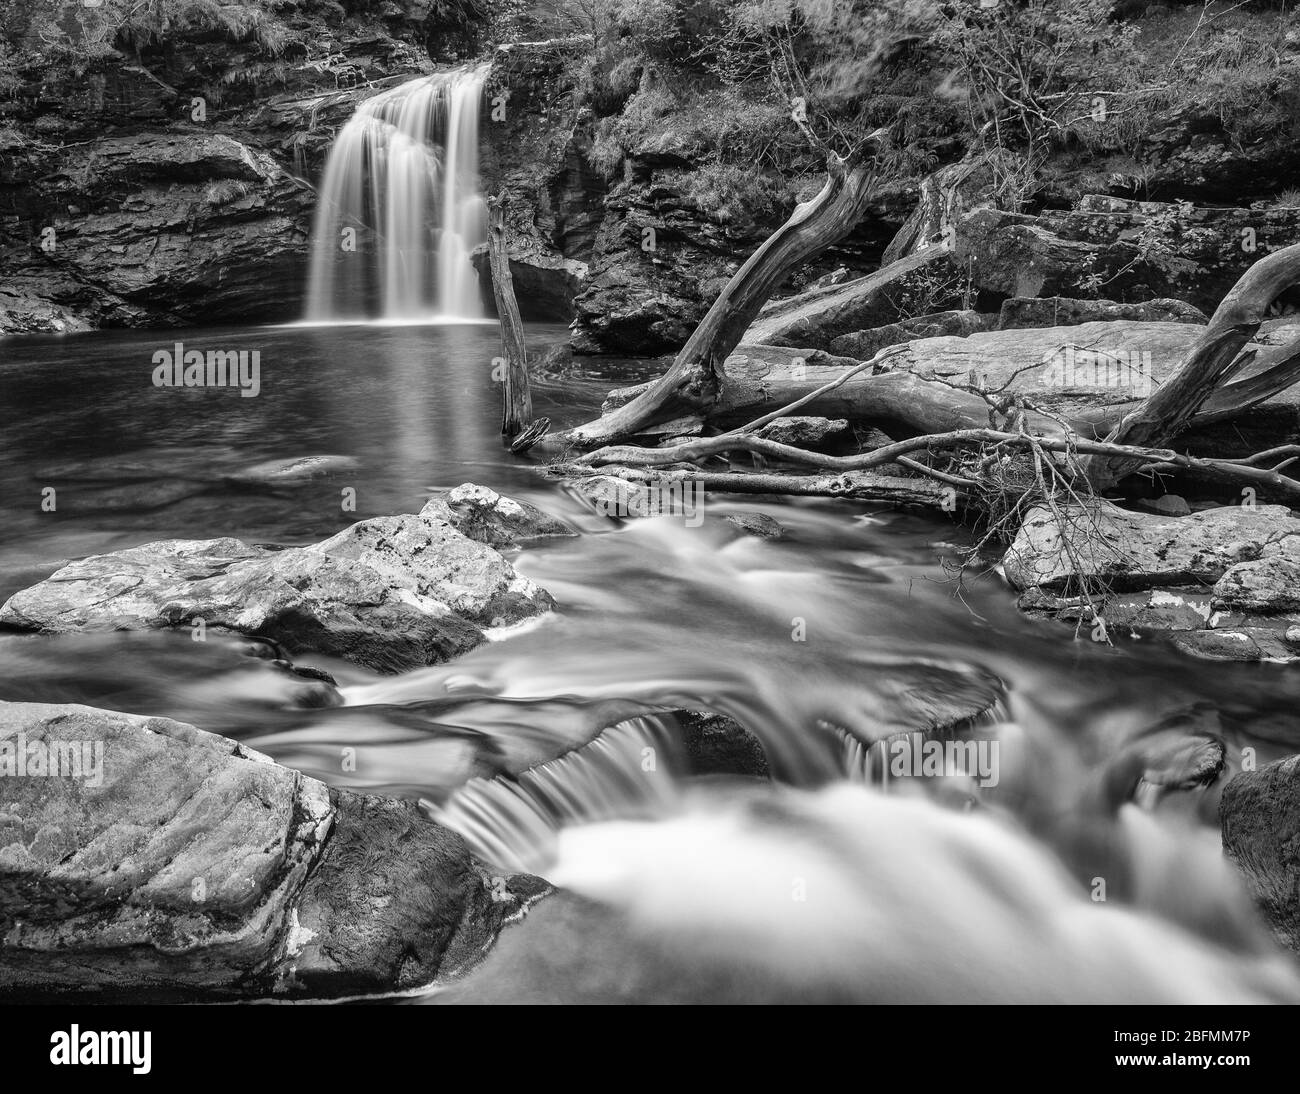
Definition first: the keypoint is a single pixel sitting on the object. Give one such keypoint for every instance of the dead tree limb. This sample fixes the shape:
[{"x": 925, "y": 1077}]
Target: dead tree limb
[
  {"x": 516, "y": 395},
  {"x": 1209, "y": 364},
  {"x": 1159, "y": 459},
  {"x": 859, "y": 485},
  {"x": 693, "y": 381}
]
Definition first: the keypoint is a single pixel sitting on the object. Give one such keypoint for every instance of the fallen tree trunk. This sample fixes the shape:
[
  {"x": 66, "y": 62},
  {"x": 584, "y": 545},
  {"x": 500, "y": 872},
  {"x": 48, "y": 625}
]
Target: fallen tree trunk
[
  {"x": 859, "y": 485},
  {"x": 1214, "y": 358},
  {"x": 692, "y": 383},
  {"x": 516, "y": 395}
]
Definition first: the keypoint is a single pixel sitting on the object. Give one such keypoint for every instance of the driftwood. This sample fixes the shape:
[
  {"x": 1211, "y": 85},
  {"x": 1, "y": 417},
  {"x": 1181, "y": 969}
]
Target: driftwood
[
  {"x": 516, "y": 395},
  {"x": 858, "y": 485},
  {"x": 1210, "y": 363},
  {"x": 692, "y": 383}
]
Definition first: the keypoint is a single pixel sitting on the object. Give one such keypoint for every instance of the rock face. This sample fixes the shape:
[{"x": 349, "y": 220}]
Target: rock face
[
  {"x": 163, "y": 230},
  {"x": 535, "y": 152},
  {"x": 165, "y": 188},
  {"x": 390, "y": 593},
  {"x": 1137, "y": 250},
  {"x": 149, "y": 859},
  {"x": 1260, "y": 816}
]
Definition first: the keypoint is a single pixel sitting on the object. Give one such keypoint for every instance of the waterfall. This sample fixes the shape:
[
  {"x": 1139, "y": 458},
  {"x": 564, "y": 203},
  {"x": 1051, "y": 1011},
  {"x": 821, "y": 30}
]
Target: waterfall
[{"x": 403, "y": 176}]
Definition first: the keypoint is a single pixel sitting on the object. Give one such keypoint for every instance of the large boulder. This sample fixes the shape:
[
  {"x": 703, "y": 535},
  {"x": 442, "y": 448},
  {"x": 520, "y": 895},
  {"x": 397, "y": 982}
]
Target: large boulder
[
  {"x": 1143, "y": 550},
  {"x": 1061, "y": 311},
  {"x": 1137, "y": 250},
  {"x": 144, "y": 858},
  {"x": 390, "y": 593},
  {"x": 1260, "y": 816}
]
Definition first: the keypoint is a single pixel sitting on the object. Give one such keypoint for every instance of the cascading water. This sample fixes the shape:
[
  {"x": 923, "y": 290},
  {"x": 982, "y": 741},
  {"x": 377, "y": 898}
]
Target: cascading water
[{"x": 403, "y": 176}]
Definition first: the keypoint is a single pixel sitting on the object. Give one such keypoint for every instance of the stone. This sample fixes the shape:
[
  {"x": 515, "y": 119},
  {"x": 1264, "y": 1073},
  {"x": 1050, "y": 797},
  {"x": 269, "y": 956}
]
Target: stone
[
  {"x": 1158, "y": 610},
  {"x": 184, "y": 866},
  {"x": 390, "y": 593},
  {"x": 1061, "y": 311},
  {"x": 718, "y": 745},
  {"x": 1259, "y": 813},
  {"x": 759, "y": 525},
  {"x": 487, "y": 517},
  {"x": 1139, "y": 250},
  {"x": 1129, "y": 550},
  {"x": 1263, "y": 585},
  {"x": 815, "y": 434},
  {"x": 1169, "y": 504}
]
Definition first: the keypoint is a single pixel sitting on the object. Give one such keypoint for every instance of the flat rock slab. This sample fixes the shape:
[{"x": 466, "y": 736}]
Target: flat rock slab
[
  {"x": 1130, "y": 550},
  {"x": 144, "y": 858},
  {"x": 390, "y": 593},
  {"x": 1260, "y": 816}
]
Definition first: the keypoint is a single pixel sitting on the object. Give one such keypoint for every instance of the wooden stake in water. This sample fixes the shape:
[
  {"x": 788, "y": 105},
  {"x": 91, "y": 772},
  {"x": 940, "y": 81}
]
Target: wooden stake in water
[{"x": 518, "y": 429}]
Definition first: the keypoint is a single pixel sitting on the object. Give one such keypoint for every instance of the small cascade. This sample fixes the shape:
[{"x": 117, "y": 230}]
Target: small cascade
[
  {"x": 513, "y": 823},
  {"x": 403, "y": 177}
]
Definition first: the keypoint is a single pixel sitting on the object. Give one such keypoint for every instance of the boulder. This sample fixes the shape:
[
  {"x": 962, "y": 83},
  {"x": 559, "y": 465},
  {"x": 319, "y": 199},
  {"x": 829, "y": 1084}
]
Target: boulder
[
  {"x": 816, "y": 434},
  {"x": 147, "y": 859},
  {"x": 487, "y": 517},
  {"x": 1270, "y": 584},
  {"x": 1128, "y": 550},
  {"x": 718, "y": 745},
  {"x": 1061, "y": 311},
  {"x": 391, "y": 593},
  {"x": 1259, "y": 812},
  {"x": 1139, "y": 250}
]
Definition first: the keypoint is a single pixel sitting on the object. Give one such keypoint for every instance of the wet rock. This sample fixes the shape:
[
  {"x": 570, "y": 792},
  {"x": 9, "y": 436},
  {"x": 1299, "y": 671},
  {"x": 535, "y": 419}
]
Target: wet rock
[
  {"x": 488, "y": 517},
  {"x": 865, "y": 344},
  {"x": 390, "y": 593},
  {"x": 1264, "y": 585},
  {"x": 1239, "y": 643},
  {"x": 1169, "y": 504},
  {"x": 295, "y": 470},
  {"x": 1260, "y": 817},
  {"x": 609, "y": 495},
  {"x": 1141, "y": 550},
  {"x": 1061, "y": 311},
  {"x": 718, "y": 745},
  {"x": 434, "y": 561},
  {"x": 759, "y": 525},
  {"x": 186, "y": 866},
  {"x": 1157, "y": 610}
]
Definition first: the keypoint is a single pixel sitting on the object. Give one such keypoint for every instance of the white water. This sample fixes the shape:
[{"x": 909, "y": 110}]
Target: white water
[{"x": 403, "y": 174}]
